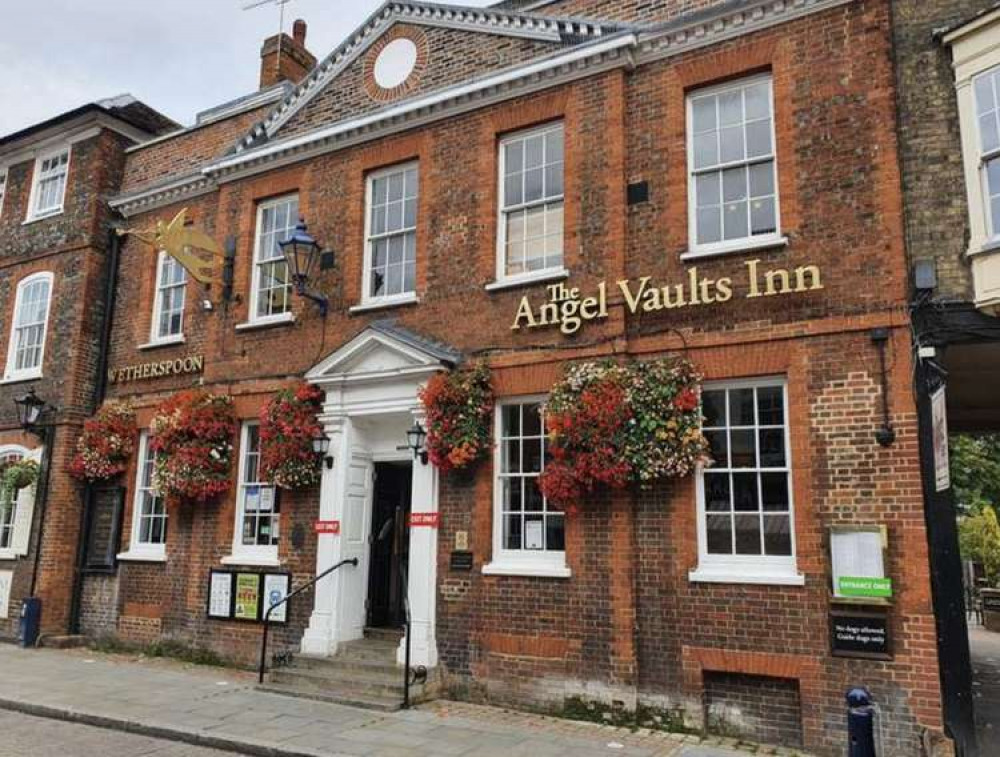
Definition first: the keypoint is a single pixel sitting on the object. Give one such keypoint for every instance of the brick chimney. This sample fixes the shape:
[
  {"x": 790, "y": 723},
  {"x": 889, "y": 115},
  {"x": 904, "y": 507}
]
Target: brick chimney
[{"x": 291, "y": 63}]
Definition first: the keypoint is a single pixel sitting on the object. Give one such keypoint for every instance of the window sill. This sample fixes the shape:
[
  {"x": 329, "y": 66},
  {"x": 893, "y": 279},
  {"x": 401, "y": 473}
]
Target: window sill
[
  {"x": 259, "y": 561},
  {"x": 140, "y": 556},
  {"x": 20, "y": 378},
  {"x": 736, "y": 575},
  {"x": 735, "y": 248},
  {"x": 42, "y": 217},
  {"x": 527, "y": 280},
  {"x": 529, "y": 569},
  {"x": 9, "y": 554},
  {"x": 285, "y": 319},
  {"x": 388, "y": 302},
  {"x": 168, "y": 342}
]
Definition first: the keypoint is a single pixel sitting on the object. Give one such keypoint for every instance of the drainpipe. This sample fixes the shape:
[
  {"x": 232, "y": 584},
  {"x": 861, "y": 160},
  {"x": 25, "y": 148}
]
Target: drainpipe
[
  {"x": 100, "y": 390},
  {"x": 47, "y": 435}
]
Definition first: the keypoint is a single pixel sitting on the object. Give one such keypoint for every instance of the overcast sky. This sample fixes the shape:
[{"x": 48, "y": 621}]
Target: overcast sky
[{"x": 179, "y": 56}]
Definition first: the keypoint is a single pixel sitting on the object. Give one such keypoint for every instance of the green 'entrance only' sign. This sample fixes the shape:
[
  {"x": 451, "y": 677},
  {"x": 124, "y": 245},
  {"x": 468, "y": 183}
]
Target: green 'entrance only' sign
[{"x": 851, "y": 586}]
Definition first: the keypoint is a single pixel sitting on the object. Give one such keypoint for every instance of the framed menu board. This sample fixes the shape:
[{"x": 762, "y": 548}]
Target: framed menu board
[
  {"x": 246, "y": 595},
  {"x": 220, "y": 594},
  {"x": 246, "y": 604}
]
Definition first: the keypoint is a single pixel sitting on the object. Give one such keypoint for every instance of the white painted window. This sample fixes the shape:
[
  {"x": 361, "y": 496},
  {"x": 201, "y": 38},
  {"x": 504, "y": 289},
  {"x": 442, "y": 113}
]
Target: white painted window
[
  {"x": 168, "y": 305},
  {"x": 529, "y": 534},
  {"x": 48, "y": 185},
  {"x": 257, "y": 517},
  {"x": 530, "y": 228},
  {"x": 745, "y": 514},
  {"x": 391, "y": 233},
  {"x": 149, "y": 510},
  {"x": 8, "y": 503},
  {"x": 271, "y": 293},
  {"x": 732, "y": 189},
  {"x": 17, "y": 508},
  {"x": 26, "y": 349},
  {"x": 986, "y": 87},
  {"x": 3, "y": 187}
]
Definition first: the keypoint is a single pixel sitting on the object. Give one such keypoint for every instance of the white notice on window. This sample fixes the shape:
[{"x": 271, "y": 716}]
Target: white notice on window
[
  {"x": 220, "y": 595},
  {"x": 856, "y": 554},
  {"x": 6, "y": 578},
  {"x": 533, "y": 535},
  {"x": 253, "y": 498},
  {"x": 266, "y": 499}
]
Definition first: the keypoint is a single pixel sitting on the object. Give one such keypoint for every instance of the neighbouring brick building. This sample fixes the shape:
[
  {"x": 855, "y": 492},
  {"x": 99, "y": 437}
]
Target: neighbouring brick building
[
  {"x": 462, "y": 165},
  {"x": 55, "y": 179},
  {"x": 947, "y": 73}
]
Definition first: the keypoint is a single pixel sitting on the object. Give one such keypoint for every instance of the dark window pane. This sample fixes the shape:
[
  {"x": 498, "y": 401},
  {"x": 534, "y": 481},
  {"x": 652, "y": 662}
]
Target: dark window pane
[
  {"x": 718, "y": 442},
  {"x": 532, "y": 420},
  {"x": 555, "y": 532},
  {"x": 512, "y": 538},
  {"x": 745, "y": 492},
  {"x": 772, "y": 448},
  {"x": 741, "y": 407},
  {"x": 771, "y": 406},
  {"x": 717, "y": 492},
  {"x": 713, "y": 407},
  {"x": 777, "y": 535},
  {"x": 533, "y": 500},
  {"x": 532, "y": 455},
  {"x": 720, "y": 535},
  {"x": 511, "y": 420},
  {"x": 747, "y": 534},
  {"x": 512, "y": 457},
  {"x": 774, "y": 490},
  {"x": 742, "y": 451},
  {"x": 512, "y": 493}
]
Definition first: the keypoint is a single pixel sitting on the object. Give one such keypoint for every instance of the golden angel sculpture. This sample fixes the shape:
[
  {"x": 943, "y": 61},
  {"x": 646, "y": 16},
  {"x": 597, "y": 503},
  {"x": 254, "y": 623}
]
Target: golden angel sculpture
[{"x": 192, "y": 248}]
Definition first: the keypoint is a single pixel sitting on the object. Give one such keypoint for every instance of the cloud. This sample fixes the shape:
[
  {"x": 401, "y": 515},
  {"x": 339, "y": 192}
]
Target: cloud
[{"x": 179, "y": 56}]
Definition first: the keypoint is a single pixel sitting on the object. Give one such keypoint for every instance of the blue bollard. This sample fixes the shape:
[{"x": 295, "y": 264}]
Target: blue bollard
[
  {"x": 860, "y": 723},
  {"x": 30, "y": 621}
]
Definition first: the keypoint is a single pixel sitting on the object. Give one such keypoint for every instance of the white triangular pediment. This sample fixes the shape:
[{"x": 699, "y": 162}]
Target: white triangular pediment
[{"x": 373, "y": 354}]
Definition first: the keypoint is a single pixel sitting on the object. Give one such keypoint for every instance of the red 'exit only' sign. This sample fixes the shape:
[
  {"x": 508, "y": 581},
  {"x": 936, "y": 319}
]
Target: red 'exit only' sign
[{"x": 327, "y": 526}]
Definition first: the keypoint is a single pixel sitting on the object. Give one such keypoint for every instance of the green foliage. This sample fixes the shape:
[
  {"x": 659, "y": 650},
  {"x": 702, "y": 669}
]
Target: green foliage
[
  {"x": 168, "y": 648},
  {"x": 979, "y": 540},
  {"x": 975, "y": 471}
]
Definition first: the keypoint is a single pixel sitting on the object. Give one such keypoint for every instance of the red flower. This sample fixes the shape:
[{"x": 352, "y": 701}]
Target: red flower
[{"x": 686, "y": 400}]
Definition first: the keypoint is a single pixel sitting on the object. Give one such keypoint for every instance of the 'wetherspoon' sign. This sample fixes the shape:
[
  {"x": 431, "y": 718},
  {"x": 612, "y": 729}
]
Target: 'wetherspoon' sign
[
  {"x": 178, "y": 367},
  {"x": 568, "y": 309}
]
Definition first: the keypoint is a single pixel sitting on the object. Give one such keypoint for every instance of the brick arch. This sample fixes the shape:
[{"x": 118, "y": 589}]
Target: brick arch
[{"x": 399, "y": 31}]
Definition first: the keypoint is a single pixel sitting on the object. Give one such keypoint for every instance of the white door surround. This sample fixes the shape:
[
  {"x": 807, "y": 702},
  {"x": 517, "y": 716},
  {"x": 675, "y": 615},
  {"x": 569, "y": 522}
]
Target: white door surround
[{"x": 371, "y": 386}]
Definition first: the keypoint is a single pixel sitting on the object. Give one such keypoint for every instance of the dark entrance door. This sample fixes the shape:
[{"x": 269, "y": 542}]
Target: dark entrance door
[{"x": 390, "y": 544}]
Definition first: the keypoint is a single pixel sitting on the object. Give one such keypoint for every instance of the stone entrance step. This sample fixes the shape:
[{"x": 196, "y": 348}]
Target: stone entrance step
[{"x": 363, "y": 673}]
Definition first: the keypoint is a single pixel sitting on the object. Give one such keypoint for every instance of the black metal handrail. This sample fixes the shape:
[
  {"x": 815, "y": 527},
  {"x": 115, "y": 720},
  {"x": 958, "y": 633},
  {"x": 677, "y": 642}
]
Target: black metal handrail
[
  {"x": 406, "y": 622},
  {"x": 267, "y": 615}
]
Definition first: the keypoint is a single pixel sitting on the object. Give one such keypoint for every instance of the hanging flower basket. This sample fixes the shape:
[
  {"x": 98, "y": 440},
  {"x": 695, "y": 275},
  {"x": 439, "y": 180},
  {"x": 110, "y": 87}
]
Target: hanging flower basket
[
  {"x": 18, "y": 475},
  {"x": 459, "y": 407},
  {"x": 288, "y": 426},
  {"x": 616, "y": 425},
  {"x": 192, "y": 443},
  {"x": 106, "y": 445}
]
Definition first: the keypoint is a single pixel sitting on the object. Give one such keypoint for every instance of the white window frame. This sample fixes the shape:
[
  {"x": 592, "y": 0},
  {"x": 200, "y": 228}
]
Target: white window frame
[
  {"x": 10, "y": 373},
  {"x": 253, "y": 317},
  {"x": 36, "y": 177},
  {"x": 11, "y": 551},
  {"x": 518, "y": 562},
  {"x": 154, "y": 336},
  {"x": 4, "y": 175},
  {"x": 751, "y": 242},
  {"x": 748, "y": 569},
  {"x": 139, "y": 550},
  {"x": 387, "y": 299},
  {"x": 983, "y": 158},
  {"x": 249, "y": 554},
  {"x": 543, "y": 274}
]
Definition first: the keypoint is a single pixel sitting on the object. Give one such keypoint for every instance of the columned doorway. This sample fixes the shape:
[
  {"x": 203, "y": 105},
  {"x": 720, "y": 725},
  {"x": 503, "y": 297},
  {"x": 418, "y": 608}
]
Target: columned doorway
[{"x": 372, "y": 386}]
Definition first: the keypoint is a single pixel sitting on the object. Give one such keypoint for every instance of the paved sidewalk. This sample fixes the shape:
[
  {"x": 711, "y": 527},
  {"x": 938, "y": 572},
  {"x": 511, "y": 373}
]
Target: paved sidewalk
[
  {"x": 220, "y": 708},
  {"x": 985, "y": 648}
]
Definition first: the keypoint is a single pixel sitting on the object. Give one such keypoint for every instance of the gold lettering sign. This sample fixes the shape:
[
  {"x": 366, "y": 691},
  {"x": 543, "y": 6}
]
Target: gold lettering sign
[
  {"x": 143, "y": 371},
  {"x": 569, "y": 310}
]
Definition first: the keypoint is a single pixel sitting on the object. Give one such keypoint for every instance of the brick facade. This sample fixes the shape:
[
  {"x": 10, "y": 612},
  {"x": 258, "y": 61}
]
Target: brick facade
[{"x": 629, "y": 628}]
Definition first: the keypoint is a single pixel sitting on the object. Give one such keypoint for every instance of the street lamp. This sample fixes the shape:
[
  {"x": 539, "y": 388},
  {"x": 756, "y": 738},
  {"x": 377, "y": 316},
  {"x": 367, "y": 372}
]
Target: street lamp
[
  {"x": 321, "y": 446},
  {"x": 415, "y": 437},
  {"x": 29, "y": 409},
  {"x": 302, "y": 254}
]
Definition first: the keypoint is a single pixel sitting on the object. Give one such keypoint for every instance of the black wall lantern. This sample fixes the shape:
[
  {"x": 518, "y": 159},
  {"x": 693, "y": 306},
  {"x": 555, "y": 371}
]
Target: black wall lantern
[
  {"x": 321, "y": 446},
  {"x": 302, "y": 254},
  {"x": 29, "y": 409},
  {"x": 415, "y": 437}
]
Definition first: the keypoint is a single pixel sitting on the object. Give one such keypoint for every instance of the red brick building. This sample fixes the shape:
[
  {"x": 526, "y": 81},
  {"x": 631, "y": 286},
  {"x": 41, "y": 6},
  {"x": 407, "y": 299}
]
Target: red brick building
[
  {"x": 461, "y": 165},
  {"x": 55, "y": 178}
]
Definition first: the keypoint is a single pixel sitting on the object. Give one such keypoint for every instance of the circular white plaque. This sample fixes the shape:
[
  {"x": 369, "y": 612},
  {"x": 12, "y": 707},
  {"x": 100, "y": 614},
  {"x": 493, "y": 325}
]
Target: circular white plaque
[{"x": 395, "y": 63}]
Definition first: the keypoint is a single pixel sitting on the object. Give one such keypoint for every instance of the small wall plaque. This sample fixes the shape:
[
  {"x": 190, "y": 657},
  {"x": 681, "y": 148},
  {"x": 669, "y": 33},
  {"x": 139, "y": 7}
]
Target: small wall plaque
[
  {"x": 860, "y": 634},
  {"x": 461, "y": 560}
]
